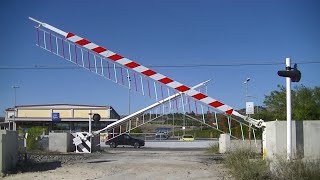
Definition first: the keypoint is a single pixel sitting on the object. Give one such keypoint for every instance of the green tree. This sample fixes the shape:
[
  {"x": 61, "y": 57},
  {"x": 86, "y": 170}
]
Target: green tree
[
  {"x": 33, "y": 137},
  {"x": 305, "y": 104}
]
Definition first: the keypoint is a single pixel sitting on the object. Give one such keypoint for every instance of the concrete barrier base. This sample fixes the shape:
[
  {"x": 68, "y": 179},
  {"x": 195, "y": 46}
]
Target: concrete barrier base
[{"x": 8, "y": 150}]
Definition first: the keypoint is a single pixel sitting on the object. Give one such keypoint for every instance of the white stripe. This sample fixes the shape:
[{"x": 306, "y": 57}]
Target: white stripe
[
  {"x": 157, "y": 76},
  {"x": 208, "y": 100},
  {"x": 74, "y": 38},
  {"x": 88, "y": 143},
  {"x": 223, "y": 108},
  {"x": 124, "y": 61},
  {"x": 90, "y": 46},
  {"x": 83, "y": 148},
  {"x": 174, "y": 84},
  {"x": 107, "y": 53},
  {"x": 192, "y": 92},
  {"x": 140, "y": 69}
]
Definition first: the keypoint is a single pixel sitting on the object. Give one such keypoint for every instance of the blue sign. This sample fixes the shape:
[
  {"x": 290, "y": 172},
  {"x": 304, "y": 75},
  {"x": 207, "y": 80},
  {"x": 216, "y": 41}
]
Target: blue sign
[{"x": 56, "y": 117}]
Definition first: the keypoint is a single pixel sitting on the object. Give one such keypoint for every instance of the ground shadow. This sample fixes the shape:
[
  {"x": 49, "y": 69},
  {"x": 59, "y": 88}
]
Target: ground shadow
[
  {"x": 101, "y": 161},
  {"x": 35, "y": 167}
]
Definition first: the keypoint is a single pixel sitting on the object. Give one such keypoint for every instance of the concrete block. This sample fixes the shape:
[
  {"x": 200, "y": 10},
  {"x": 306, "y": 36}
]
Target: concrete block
[
  {"x": 305, "y": 135},
  {"x": 252, "y": 145},
  {"x": 8, "y": 150},
  {"x": 60, "y": 142},
  {"x": 224, "y": 143},
  {"x": 311, "y": 134}
]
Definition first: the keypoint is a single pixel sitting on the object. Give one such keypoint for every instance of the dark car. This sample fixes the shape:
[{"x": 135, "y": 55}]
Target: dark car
[
  {"x": 125, "y": 139},
  {"x": 161, "y": 136}
]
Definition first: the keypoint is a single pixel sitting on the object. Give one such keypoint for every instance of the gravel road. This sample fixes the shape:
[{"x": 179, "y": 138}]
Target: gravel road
[{"x": 125, "y": 163}]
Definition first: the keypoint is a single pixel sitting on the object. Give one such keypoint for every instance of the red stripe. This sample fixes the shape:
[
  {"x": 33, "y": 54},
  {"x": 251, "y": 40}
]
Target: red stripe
[
  {"x": 199, "y": 96},
  {"x": 83, "y": 42},
  {"x": 229, "y": 111},
  {"x": 216, "y": 104},
  {"x": 115, "y": 57},
  {"x": 148, "y": 72},
  {"x": 166, "y": 80},
  {"x": 132, "y": 65},
  {"x": 69, "y": 35},
  {"x": 182, "y": 88},
  {"x": 99, "y": 49}
]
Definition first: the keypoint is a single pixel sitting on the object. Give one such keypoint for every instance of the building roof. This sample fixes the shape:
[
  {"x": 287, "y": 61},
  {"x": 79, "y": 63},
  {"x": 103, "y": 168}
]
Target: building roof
[{"x": 60, "y": 106}]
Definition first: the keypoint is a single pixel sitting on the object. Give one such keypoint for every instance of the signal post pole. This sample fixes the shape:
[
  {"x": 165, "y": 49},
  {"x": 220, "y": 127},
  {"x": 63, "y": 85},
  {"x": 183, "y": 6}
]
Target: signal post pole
[
  {"x": 291, "y": 75},
  {"x": 289, "y": 121}
]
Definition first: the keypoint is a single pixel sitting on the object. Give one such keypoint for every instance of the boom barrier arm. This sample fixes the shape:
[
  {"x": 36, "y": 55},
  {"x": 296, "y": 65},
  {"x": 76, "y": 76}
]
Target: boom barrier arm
[
  {"x": 127, "y": 63},
  {"x": 127, "y": 118}
]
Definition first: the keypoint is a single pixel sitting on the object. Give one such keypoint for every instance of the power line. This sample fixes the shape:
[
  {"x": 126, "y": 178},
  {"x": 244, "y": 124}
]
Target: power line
[{"x": 159, "y": 66}]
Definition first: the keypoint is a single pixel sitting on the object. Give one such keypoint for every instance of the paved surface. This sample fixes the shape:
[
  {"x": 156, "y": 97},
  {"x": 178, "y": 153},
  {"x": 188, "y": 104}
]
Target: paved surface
[
  {"x": 202, "y": 144},
  {"x": 130, "y": 163}
]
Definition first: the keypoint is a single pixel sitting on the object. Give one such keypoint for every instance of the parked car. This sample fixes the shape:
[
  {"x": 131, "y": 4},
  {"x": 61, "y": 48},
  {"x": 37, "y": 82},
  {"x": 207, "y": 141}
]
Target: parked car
[
  {"x": 161, "y": 136},
  {"x": 187, "y": 137},
  {"x": 125, "y": 139}
]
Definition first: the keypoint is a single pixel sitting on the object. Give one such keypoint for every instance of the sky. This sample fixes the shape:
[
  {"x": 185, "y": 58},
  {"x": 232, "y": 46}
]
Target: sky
[{"x": 161, "y": 33}]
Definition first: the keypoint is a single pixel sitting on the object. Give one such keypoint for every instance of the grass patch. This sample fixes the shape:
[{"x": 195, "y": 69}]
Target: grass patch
[
  {"x": 244, "y": 164},
  {"x": 213, "y": 149},
  {"x": 296, "y": 169}
]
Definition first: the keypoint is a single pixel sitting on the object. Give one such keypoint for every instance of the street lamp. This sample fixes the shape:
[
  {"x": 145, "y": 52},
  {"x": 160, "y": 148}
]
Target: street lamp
[
  {"x": 15, "y": 102},
  {"x": 246, "y": 97},
  {"x": 246, "y": 84}
]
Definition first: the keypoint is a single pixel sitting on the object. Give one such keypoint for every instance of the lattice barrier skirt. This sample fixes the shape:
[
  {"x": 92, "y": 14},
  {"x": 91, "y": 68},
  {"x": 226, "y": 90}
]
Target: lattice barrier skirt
[{"x": 82, "y": 141}]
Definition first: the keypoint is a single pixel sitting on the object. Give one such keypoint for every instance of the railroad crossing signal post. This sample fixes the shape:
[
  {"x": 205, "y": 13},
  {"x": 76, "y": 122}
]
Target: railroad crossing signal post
[{"x": 294, "y": 75}]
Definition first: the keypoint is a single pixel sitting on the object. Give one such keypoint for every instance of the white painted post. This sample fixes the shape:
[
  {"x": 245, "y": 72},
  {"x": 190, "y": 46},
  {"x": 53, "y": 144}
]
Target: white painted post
[
  {"x": 264, "y": 143},
  {"x": 224, "y": 143},
  {"x": 289, "y": 123},
  {"x": 89, "y": 123}
]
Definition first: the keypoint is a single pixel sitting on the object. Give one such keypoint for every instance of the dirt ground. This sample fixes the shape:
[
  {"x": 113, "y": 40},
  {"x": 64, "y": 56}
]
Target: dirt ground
[{"x": 125, "y": 163}]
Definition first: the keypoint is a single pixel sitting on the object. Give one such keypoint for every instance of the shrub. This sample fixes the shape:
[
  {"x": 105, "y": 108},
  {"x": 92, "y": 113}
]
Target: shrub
[
  {"x": 33, "y": 136},
  {"x": 244, "y": 164},
  {"x": 296, "y": 169}
]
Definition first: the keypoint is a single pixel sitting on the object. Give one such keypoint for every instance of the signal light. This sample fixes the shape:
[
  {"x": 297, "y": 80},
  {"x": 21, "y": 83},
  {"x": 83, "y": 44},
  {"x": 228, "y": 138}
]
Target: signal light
[
  {"x": 96, "y": 117},
  {"x": 293, "y": 73}
]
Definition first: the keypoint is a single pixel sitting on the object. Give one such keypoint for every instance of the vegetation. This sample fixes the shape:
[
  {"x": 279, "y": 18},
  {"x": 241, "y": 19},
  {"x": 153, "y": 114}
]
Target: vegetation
[
  {"x": 213, "y": 148},
  {"x": 244, "y": 164},
  {"x": 33, "y": 137},
  {"x": 305, "y": 104},
  {"x": 136, "y": 130},
  {"x": 296, "y": 169}
]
